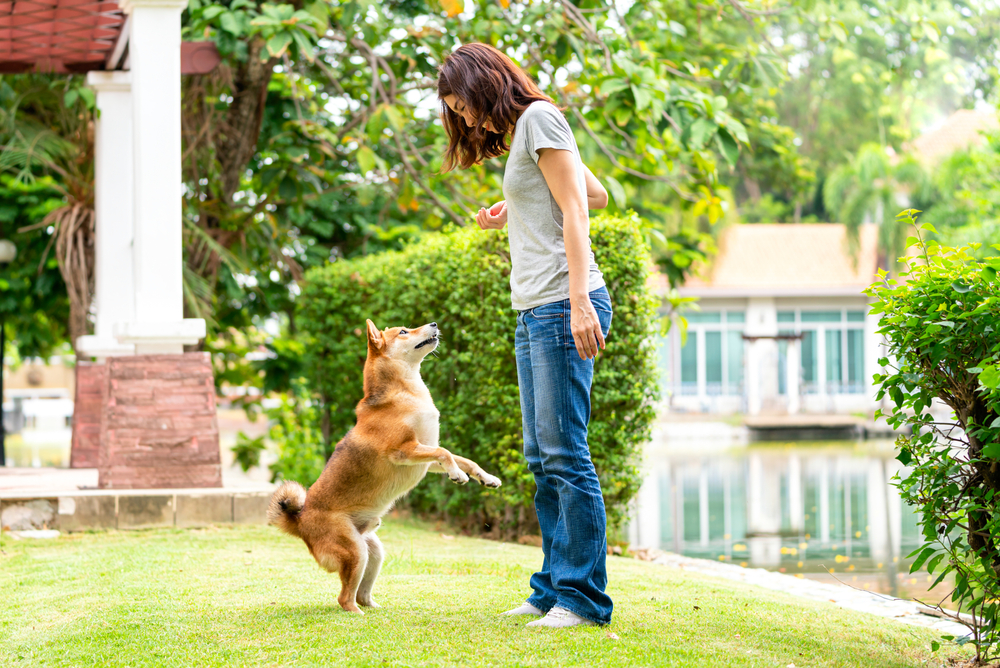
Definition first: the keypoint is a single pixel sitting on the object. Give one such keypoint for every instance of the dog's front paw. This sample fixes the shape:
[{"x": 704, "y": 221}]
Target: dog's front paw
[
  {"x": 459, "y": 478},
  {"x": 489, "y": 480}
]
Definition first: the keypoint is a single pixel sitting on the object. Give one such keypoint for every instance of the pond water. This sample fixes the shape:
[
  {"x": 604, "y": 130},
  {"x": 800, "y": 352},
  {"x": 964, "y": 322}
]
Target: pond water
[
  {"x": 826, "y": 511},
  {"x": 37, "y": 452}
]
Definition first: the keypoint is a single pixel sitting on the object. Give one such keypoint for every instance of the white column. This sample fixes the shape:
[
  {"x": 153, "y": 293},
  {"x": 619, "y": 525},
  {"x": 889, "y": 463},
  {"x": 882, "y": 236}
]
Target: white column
[
  {"x": 762, "y": 360},
  {"x": 155, "y": 58},
  {"x": 824, "y": 391},
  {"x": 753, "y": 377},
  {"x": 114, "y": 297},
  {"x": 646, "y": 520},
  {"x": 793, "y": 370},
  {"x": 873, "y": 350}
]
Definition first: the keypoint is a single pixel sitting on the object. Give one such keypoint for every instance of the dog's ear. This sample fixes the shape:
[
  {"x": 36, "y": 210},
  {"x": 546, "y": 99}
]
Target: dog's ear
[{"x": 375, "y": 339}]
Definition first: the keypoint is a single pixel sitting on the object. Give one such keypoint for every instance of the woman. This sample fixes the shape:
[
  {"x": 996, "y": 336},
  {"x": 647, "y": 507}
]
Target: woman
[{"x": 491, "y": 107}]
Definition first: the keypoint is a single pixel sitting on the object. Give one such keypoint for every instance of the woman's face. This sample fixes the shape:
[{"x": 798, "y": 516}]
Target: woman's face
[{"x": 459, "y": 107}]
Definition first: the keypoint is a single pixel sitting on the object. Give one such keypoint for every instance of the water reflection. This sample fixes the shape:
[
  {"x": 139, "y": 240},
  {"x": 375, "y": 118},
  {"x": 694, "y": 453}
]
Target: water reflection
[{"x": 806, "y": 509}]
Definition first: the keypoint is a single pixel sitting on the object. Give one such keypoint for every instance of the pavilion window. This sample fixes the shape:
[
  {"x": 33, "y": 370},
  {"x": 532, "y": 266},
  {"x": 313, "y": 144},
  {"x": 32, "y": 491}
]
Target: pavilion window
[
  {"x": 855, "y": 360},
  {"x": 734, "y": 361},
  {"x": 834, "y": 358},
  {"x": 832, "y": 350},
  {"x": 689, "y": 365},
  {"x": 810, "y": 360},
  {"x": 711, "y": 360}
]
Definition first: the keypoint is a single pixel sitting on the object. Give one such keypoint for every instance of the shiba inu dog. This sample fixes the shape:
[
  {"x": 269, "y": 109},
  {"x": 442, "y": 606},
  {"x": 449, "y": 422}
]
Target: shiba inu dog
[{"x": 390, "y": 449}]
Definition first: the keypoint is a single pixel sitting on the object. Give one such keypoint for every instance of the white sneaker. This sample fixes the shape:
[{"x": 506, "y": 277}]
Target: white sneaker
[
  {"x": 523, "y": 609},
  {"x": 560, "y": 618}
]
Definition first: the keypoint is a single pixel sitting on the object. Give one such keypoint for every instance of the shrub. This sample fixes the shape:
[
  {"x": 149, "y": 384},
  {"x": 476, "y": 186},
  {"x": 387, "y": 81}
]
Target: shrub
[
  {"x": 460, "y": 280},
  {"x": 941, "y": 324}
]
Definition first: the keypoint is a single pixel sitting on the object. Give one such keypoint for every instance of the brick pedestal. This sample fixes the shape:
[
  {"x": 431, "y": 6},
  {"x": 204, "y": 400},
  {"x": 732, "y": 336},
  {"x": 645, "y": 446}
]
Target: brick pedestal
[
  {"x": 158, "y": 423},
  {"x": 87, "y": 415}
]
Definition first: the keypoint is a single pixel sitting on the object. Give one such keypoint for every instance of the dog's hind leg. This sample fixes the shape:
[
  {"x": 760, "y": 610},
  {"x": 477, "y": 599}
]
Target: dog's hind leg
[
  {"x": 342, "y": 550},
  {"x": 375, "y": 556}
]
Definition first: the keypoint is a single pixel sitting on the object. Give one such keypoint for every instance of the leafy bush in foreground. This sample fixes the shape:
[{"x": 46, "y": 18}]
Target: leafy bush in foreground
[
  {"x": 941, "y": 323},
  {"x": 461, "y": 280}
]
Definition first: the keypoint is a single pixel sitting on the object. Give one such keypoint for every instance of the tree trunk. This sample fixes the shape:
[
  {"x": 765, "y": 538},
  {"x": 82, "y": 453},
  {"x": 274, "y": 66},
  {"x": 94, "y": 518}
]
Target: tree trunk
[
  {"x": 237, "y": 140},
  {"x": 74, "y": 249},
  {"x": 989, "y": 474}
]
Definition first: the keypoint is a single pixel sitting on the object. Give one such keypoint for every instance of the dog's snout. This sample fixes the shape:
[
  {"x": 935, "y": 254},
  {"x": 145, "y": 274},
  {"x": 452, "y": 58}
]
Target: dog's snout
[{"x": 434, "y": 325}]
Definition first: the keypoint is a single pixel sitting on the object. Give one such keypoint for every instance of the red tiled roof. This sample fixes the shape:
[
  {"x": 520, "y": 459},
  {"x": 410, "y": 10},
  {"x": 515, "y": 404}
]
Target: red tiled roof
[
  {"x": 763, "y": 259},
  {"x": 57, "y": 35}
]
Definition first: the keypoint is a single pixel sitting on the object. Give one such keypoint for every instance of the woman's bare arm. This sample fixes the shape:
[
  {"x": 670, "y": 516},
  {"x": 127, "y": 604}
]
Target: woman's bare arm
[
  {"x": 495, "y": 217},
  {"x": 597, "y": 196},
  {"x": 559, "y": 169}
]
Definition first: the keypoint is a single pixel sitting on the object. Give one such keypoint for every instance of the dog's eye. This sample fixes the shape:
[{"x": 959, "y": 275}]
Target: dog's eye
[{"x": 402, "y": 331}]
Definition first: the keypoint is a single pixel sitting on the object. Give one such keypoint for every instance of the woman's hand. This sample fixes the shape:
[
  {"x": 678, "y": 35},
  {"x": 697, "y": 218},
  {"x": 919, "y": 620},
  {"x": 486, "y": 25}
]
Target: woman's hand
[
  {"x": 586, "y": 328},
  {"x": 493, "y": 218}
]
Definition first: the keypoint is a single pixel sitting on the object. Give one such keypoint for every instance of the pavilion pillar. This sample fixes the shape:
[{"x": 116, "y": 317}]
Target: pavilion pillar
[
  {"x": 793, "y": 364},
  {"x": 114, "y": 292},
  {"x": 114, "y": 289},
  {"x": 155, "y": 423},
  {"x": 159, "y": 326}
]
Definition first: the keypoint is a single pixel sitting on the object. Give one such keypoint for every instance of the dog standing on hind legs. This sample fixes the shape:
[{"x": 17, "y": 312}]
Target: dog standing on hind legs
[{"x": 390, "y": 449}]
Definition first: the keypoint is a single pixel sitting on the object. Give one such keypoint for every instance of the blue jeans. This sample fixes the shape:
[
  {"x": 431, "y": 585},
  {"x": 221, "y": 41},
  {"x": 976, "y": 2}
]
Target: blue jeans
[{"x": 555, "y": 406}]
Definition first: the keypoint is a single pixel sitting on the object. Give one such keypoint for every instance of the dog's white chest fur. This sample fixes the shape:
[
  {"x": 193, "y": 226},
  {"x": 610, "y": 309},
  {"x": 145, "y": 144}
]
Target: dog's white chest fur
[
  {"x": 425, "y": 426},
  {"x": 425, "y": 417}
]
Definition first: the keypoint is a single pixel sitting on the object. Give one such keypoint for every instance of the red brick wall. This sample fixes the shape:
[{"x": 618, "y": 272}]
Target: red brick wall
[
  {"x": 87, "y": 415},
  {"x": 158, "y": 426}
]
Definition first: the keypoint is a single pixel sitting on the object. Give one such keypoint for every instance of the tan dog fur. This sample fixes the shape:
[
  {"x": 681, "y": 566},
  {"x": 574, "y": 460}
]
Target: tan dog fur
[{"x": 390, "y": 449}]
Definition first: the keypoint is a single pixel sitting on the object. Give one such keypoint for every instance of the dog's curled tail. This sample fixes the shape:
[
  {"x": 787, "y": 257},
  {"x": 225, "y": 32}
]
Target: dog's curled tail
[{"x": 286, "y": 504}]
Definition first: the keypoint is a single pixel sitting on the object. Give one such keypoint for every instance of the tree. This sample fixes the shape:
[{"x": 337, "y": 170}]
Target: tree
[
  {"x": 867, "y": 189},
  {"x": 318, "y": 137},
  {"x": 874, "y": 71},
  {"x": 33, "y": 300},
  {"x": 45, "y": 127},
  {"x": 964, "y": 205},
  {"x": 939, "y": 323}
]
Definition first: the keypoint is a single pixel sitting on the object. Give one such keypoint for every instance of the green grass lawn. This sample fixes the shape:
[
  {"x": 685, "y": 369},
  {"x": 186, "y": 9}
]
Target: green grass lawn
[{"x": 250, "y": 596}]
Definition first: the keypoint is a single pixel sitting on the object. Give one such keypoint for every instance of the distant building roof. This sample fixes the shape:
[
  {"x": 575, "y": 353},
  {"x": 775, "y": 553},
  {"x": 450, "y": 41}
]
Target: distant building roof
[
  {"x": 788, "y": 260},
  {"x": 960, "y": 131}
]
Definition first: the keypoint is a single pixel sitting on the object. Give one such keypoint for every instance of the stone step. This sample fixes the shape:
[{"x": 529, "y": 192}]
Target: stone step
[{"x": 132, "y": 509}]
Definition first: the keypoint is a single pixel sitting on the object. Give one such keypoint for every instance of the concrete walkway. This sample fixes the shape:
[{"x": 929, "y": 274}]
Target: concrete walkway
[
  {"x": 907, "y": 612},
  {"x": 33, "y": 499},
  {"x": 47, "y": 481}
]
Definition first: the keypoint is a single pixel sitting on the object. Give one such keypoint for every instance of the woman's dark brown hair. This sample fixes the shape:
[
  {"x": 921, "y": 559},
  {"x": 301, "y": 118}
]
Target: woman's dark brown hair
[{"x": 494, "y": 89}]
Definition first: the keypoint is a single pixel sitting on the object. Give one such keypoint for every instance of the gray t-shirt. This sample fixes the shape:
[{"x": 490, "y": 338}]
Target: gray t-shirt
[{"x": 539, "y": 273}]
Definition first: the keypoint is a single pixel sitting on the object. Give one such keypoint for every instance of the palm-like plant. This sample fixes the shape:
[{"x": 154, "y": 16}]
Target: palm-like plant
[
  {"x": 46, "y": 126},
  {"x": 873, "y": 187}
]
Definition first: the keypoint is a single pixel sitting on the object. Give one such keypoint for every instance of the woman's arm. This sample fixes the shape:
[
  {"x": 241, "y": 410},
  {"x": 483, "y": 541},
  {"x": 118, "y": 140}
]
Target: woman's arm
[
  {"x": 495, "y": 217},
  {"x": 597, "y": 196},
  {"x": 559, "y": 169}
]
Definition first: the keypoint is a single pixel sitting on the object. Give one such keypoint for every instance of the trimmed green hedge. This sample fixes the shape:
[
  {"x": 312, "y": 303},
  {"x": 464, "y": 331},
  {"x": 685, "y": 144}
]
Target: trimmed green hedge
[{"x": 460, "y": 280}]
